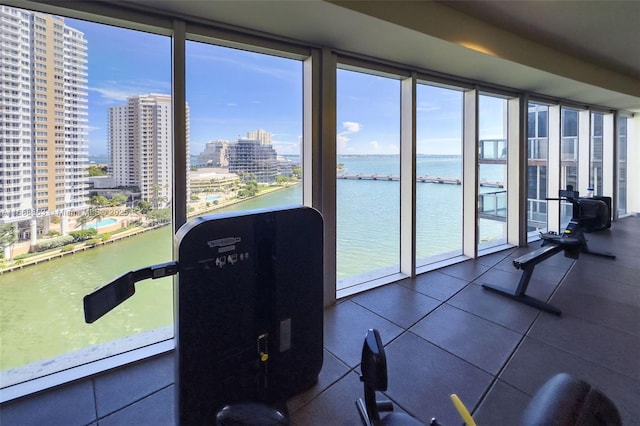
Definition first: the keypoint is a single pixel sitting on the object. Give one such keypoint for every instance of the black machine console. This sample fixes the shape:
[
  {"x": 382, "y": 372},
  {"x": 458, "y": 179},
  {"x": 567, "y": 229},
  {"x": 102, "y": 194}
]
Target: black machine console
[{"x": 248, "y": 309}]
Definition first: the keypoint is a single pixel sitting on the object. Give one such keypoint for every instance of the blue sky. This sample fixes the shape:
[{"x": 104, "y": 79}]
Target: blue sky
[{"x": 231, "y": 92}]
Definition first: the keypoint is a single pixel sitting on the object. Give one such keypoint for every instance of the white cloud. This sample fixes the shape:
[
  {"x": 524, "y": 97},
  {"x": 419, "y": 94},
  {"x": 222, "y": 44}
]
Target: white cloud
[
  {"x": 115, "y": 92},
  {"x": 351, "y": 126},
  {"x": 342, "y": 139}
]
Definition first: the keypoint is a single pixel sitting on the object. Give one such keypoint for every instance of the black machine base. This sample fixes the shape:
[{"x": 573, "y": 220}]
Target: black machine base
[{"x": 523, "y": 298}]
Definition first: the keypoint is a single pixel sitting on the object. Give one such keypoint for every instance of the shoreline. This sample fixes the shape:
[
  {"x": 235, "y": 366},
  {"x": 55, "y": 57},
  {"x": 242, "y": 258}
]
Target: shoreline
[{"x": 58, "y": 253}]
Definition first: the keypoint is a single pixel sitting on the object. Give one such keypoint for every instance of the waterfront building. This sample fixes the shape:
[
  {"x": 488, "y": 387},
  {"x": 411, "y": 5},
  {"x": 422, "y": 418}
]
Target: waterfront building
[
  {"x": 254, "y": 157},
  {"x": 215, "y": 154},
  {"x": 285, "y": 166},
  {"x": 210, "y": 180},
  {"x": 43, "y": 125},
  {"x": 140, "y": 151}
]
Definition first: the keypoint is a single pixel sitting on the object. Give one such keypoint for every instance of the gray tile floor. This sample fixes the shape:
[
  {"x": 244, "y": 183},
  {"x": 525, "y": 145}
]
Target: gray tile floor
[{"x": 443, "y": 334}]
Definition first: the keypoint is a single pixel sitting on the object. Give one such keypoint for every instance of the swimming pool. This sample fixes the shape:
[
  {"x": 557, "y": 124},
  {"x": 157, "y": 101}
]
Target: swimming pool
[
  {"x": 101, "y": 223},
  {"x": 212, "y": 197}
]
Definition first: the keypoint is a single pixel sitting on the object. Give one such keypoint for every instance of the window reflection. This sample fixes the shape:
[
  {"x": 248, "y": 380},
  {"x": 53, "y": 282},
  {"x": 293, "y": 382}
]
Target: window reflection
[
  {"x": 537, "y": 165},
  {"x": 492, "y": 171}
]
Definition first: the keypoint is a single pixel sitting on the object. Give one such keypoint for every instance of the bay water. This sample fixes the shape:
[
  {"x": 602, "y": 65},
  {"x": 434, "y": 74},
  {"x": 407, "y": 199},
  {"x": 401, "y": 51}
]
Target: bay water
[{"x": 41, "y": 311}]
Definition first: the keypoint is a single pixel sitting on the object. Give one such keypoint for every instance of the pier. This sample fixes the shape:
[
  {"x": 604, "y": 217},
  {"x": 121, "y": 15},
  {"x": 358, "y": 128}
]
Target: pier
[{"x": 419, "y": 179}]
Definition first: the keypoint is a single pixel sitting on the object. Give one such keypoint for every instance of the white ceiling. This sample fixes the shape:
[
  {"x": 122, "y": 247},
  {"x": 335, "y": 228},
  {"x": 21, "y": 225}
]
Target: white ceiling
[{"x": 603, "y": 33}]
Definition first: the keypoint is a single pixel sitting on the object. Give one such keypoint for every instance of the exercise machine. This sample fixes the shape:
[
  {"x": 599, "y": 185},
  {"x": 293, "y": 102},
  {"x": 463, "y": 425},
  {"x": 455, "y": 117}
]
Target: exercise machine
[
  {"x": 562, "y": 401},
  {"x": 373, "y": 366},
  {"x": 249, "y": 313},
  {"x": 589, "y": 214}
]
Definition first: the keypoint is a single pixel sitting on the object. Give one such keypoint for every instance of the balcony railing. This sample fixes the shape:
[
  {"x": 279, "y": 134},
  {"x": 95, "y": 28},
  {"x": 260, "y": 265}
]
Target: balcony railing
[{"x": 493, "y": 205}]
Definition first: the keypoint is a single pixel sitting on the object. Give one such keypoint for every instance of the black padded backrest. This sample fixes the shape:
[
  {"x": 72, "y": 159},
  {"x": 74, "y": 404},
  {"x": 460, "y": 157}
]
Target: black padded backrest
[
  {"x": 567, "y": 401},
  {"x": 374, "y": 362}
]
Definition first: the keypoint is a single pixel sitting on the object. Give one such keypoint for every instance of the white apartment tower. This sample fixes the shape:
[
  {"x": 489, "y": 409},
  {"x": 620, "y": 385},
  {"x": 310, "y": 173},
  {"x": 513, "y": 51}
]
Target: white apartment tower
[
  {"x": 43, "y": 119},
  {"x": 260, "y": 135},
  {"x": 140, "y": 146}
]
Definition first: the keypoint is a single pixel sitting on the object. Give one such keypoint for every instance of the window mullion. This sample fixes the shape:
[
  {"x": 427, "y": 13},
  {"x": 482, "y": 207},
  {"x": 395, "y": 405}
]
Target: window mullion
[
  {"x": 408, "y": 176},
  {"x": 553, "y": 177},
  {"x": 470, "y": 175},
  {"x": 180, "y": 144},
  {"x": 517, "y": 167}
]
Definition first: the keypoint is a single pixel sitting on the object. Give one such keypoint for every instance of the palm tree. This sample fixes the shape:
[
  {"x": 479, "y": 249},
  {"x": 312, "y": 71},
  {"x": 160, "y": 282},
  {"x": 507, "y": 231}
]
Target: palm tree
[
  {"x": 81, "y": 221},
  {"x": 97, "y": 215},
  {"x": 157, "y": 199}
]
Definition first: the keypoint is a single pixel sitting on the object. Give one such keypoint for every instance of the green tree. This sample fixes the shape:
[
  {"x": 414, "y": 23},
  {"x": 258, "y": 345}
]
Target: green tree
[
  {"x": 143, "y": 206},
  {"x": 159, "y": 216},
  {"x": 157, "y": 200},
  {"x": 118, "y": 200},
  {"x": 8, "y": 237},
  {"x": 97, "y": 171},
  {"x": 250, "y": 189},
  {"x": 99, "y": 201}
]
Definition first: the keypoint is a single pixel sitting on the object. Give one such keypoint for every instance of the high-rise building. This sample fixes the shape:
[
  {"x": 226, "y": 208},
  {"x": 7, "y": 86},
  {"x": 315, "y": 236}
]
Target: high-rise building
[
  {"x": 253, "y": 158},
  {"x": 43, "y": 125},
  {"x": 215, "y": 154},
  {"x": 140, "y": 146},
  {"x": 260, "y": 135}
]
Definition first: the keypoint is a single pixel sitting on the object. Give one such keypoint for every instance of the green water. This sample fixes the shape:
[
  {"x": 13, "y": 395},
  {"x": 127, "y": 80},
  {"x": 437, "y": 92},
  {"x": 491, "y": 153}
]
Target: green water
[{"x": 41, "y": 312}]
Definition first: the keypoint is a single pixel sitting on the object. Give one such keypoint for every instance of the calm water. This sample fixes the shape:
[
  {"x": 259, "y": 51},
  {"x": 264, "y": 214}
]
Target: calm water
[{"x": 41, "y": 306}]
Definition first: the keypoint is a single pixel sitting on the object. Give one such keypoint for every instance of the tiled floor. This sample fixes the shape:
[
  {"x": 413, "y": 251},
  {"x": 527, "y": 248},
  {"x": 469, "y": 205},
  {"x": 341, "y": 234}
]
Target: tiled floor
[{"x": 443, "y": 334}]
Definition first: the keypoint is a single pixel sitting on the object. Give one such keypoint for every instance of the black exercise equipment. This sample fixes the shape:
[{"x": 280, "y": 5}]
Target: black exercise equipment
[
  {"x": 373, "y": 367},
  {"x": 562, "y": 401},
  {"x": 566, "y": 401},
  {"x": 589, "y": 214},
  {"x": 248, "y": 316}
]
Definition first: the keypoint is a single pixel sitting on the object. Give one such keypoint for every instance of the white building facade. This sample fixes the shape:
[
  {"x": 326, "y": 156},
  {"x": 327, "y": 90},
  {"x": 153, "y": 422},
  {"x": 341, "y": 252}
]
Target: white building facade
[
  {"x": 140, "y": 146},
  {"x": 43, "y": 125}
]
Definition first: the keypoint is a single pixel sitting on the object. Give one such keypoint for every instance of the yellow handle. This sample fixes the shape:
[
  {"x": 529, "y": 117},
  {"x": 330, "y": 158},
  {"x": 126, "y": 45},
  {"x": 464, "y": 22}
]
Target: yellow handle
[{"x": 462, "y": 410}]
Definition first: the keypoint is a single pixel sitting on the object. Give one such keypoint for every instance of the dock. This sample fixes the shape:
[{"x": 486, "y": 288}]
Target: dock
[{"x": 419, "y": 179}]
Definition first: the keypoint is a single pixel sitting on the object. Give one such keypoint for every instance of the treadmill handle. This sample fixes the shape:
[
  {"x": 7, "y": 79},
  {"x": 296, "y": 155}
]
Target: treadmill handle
[{"x": 117, "y": 291}]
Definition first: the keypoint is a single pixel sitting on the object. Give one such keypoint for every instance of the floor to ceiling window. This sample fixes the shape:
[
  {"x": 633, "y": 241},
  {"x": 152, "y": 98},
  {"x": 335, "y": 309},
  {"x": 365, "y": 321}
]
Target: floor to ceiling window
[
  {"x": 622, "y": 164},
  {"x": 368, "y": 171},
  {"x": 99, "y": 99},
  {"x": 537, "y": 167},
  {"x": 101, "y": 172},
  {"x": 246, "y": 129},
  {"x": 597, "y": 140},
  {"x": 492, "y": 170},
  {"x": 569, "y": 121},
  {"x": 439, "y": 173}
]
